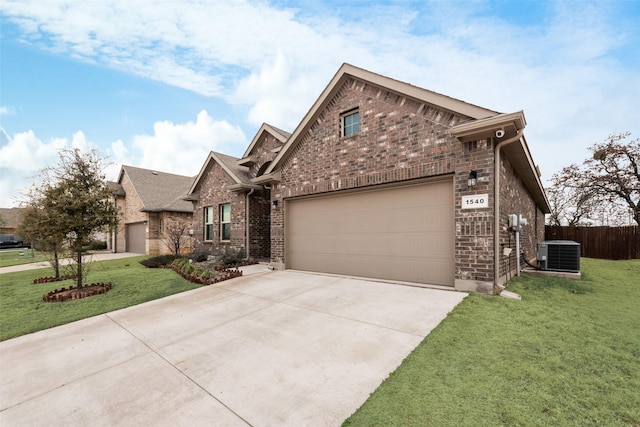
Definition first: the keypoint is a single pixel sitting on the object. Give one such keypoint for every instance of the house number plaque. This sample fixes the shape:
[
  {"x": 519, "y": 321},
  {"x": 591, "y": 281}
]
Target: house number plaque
[{"x": 476, "y": 201}]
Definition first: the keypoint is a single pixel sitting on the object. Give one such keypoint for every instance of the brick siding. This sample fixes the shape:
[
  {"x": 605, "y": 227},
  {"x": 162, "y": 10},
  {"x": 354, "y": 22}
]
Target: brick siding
[{"x": 400, "y": 139}]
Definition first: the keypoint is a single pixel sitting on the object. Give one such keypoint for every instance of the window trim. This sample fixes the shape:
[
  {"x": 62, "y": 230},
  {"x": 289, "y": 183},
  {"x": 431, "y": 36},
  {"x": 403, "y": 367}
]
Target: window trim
[
  {"x": 223, "y": 222},
  {"x": 343, "y": 125},
  {"x": 208, "y": 215}
]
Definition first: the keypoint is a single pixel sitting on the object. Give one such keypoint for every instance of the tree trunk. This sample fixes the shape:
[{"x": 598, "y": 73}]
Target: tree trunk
[
  {"x": 79, "y": 272},
  {"x": 56, "y": 263}
]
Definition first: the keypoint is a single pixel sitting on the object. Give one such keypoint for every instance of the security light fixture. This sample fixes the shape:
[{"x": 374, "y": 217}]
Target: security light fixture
[
  {"x": 274, "y": 204},
  {"x": 473, "y": 179}
]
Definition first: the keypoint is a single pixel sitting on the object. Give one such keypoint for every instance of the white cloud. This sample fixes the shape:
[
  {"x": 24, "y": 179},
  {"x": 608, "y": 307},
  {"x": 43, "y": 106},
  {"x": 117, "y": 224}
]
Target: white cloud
[
  {"x": 182, "y": 148},
  {"x": 175, "y": 148},
  {"x": 21, "y": 158},
  {"x": 6, "y": 111},
  {"x": 563, "y": 69}
]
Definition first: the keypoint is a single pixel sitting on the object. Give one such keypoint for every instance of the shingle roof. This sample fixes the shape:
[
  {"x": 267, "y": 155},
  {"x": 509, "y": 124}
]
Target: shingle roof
[
  {"x": 241, "y": 173},
  {"x": 10, "y": 216},
  {"x": 159, "y": 191},
  {"x": 116, "y": 189}
]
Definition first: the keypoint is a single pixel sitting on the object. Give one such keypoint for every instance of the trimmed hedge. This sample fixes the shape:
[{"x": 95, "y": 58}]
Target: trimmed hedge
[{"x": 160, "y": 261}]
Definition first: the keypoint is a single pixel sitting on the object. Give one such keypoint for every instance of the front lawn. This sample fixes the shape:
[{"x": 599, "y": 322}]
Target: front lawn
[
  {"x": 568, "y": 354},
  {"x": 22, "y": 310},
  {"x": 9, "y": 257}
]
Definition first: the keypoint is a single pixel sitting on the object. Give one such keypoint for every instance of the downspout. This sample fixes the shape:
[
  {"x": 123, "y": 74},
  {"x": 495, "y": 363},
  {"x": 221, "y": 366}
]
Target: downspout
[
  {"x": 496, "y": 210},
  {"x": 247, "y": 205}
]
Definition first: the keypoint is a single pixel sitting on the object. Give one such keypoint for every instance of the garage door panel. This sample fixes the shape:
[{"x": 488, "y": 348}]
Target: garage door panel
[
  {"x": 401, "y": 233},
  {"x": 136, "y": 238},
  {"x": 413, "y": 269},
  {"x": 405, "y": 244},
  {"x": 409, "y": 220}
]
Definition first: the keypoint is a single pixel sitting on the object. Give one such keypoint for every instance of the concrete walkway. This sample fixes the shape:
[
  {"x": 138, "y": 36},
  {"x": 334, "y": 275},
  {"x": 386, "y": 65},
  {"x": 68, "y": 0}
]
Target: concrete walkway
[{"x": 281, "y": 348}]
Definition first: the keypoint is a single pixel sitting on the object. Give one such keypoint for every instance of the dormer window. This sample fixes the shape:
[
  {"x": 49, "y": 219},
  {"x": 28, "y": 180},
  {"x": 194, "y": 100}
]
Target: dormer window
[{"x": 350, "y": 122}]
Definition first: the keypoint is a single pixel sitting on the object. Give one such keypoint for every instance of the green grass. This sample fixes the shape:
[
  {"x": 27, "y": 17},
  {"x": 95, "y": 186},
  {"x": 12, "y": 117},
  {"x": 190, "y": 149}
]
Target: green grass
[
  {"x": 22, "y": 310},
  {"x": 568, "y": 354},
  {"x": 9, "y": 257}
]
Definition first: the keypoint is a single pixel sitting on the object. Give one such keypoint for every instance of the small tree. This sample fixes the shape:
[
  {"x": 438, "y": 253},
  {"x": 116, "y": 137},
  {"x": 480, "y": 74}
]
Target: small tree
[
  {"x": 74, "y": 196},
  {"x": 608, "y": 182},
  {"x": 40, "y": 225},
  {"x": 175, "y": 234}
]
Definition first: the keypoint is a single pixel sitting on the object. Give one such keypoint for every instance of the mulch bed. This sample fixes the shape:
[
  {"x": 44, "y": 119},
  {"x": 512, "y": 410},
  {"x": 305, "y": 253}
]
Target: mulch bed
[
  {"x": 75, "y": 293},
  {"x": 54, "y": 279}
]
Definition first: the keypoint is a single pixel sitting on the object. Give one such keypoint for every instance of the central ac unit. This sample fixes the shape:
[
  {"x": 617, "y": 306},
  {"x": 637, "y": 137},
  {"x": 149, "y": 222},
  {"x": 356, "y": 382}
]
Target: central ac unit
[{"x": 559, "y": 255}]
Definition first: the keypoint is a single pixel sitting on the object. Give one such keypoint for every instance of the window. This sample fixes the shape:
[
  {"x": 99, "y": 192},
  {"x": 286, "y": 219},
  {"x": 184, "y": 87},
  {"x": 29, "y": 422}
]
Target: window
[
  {"x": 208, "y": 223},
  {"x": 350, "y": 123},
  {"x": 225, "y": 222}
]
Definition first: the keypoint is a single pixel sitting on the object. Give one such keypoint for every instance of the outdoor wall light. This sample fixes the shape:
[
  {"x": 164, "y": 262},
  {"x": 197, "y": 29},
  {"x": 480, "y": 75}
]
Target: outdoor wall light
[
  {"x": 274, "y": 204},
  {"x": 473, "y": 179}
]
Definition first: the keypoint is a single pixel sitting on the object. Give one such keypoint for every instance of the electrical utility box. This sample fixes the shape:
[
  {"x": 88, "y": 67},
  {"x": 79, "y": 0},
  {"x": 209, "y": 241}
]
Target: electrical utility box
[{"x": 559, "y": 255}]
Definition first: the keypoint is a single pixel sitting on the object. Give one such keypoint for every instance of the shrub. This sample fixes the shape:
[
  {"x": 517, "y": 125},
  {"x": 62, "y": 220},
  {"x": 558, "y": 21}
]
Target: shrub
[
  {"x": 200, "y": 255},
  {"x": 229, "y": 257},
  {"x": 98, "y": 245},
  {"x": 159, "y": 261}
]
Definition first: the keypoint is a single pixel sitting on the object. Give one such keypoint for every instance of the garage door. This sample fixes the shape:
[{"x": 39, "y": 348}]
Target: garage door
[
  {"x": 136, "y": 238},
  {"x": 395, "y": 233}
]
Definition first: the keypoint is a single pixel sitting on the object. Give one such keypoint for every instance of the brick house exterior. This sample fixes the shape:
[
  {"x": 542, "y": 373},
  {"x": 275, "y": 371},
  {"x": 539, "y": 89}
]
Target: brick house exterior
[
  {"x": 226, "y": 180},
  {"x": 407, "y": 134},
  {"x": 149, "y": 203}
]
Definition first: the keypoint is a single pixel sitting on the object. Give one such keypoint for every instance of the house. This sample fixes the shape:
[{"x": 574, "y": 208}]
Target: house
[
  {"x": 383, "y": 179},
  {"x": 9, "y": 220},
  {"x": 231, "y": 213},
  {"x": 151, "y": 206}
]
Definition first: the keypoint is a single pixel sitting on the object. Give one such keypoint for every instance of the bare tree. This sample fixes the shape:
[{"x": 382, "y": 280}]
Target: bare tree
[
  {"x": 569, "y": 205},
  {"x": 605, "y": 186},
  {"x": 175, "y": 234}
]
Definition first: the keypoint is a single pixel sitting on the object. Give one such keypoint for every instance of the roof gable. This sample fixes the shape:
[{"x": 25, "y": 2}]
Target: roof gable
[
  {"x": 158, "y": 191},
  {"x": 277, "y": 133},
  {"x": 347, "y": 71},
  {"x": 239, "y": 174}
]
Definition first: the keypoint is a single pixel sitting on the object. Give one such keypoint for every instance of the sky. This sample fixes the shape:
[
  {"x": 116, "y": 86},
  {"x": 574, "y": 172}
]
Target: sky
[{"x": 159, "y": 83}]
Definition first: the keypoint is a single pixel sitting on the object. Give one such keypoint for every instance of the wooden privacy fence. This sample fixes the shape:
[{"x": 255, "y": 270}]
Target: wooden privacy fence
[{"x": 600, "y": 242}]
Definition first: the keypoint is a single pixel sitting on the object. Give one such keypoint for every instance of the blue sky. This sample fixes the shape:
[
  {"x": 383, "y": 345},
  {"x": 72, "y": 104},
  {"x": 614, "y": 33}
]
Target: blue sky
[{"x": 158, "y": 84}]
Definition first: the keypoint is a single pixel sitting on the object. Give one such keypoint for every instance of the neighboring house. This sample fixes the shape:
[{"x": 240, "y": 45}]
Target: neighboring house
[
  {"x": 383, "y": 179},
  {"x": 230, "y": 212},
  {"x": 9, "y": 220},
  {"x": 149, "y": 202}
]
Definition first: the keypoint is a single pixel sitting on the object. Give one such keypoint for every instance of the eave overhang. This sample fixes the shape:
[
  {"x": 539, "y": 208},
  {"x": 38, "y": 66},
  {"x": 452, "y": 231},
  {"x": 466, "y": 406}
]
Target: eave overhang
[
  {"x": 156, "y": 210},
  {"x": 248, "y": 161},
  {"x": 269, "y": 178},
  {"x": 192, "y": 197},
  {"x": 243, "y": 188},
  {"x": 476, "y": 130},
  {"x": 522, "y": 162},
  {"x": 517, "y": 152}
]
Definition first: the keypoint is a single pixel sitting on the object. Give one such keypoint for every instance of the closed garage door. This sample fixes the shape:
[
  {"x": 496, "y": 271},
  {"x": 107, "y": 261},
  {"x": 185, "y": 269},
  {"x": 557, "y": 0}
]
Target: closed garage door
[
  {"x": 136, "y": 238},
  {"x": 400, "y": 233}
]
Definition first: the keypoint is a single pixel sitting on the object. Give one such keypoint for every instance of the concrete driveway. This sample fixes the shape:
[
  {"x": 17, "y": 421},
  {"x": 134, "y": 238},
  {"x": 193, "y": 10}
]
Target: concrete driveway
[{"x": 268, "y": 349}]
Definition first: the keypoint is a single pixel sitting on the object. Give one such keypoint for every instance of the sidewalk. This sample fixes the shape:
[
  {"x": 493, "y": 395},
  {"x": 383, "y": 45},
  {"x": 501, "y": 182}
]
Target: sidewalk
[{"x": 98, "y": 256}]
